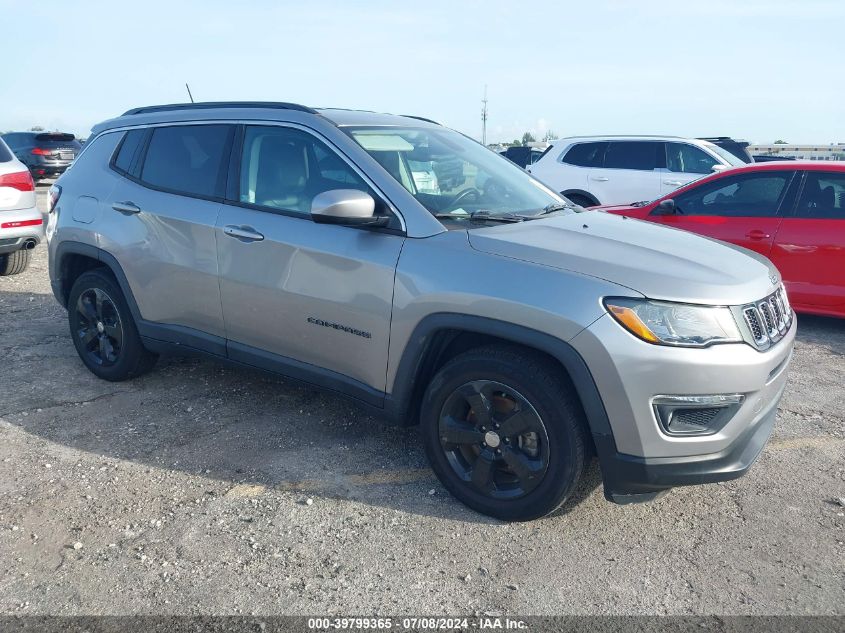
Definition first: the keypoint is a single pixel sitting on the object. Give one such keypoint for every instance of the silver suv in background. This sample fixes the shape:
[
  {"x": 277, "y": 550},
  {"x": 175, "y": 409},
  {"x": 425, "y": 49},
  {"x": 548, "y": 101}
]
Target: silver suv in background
[
  {"x": 21, "y": 223},
  {"x": 521, "y": 336}
]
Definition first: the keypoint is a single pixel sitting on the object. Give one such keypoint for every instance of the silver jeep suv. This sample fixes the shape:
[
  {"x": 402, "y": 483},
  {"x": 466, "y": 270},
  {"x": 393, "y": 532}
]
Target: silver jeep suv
[{"x": 399, "y": 263}]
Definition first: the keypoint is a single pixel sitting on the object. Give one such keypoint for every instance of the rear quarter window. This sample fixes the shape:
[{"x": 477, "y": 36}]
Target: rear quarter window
[{"x": 128, "y": 153}]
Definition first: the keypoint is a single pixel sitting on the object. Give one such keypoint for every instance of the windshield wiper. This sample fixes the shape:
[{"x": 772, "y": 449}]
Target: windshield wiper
[
  {"x": 496, "y": 217},
  {"x": 557, "y": 206},
  {"x": 484, "y": 216}
]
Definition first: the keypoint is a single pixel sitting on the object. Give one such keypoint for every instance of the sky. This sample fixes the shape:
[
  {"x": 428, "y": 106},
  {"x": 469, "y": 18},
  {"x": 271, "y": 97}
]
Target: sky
[{"x": 756, "y": 70}]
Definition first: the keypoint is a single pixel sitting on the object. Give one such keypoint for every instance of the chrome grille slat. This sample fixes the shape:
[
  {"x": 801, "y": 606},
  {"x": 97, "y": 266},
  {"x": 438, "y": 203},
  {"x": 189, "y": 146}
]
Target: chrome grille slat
[{"x": 769, "y": 319}]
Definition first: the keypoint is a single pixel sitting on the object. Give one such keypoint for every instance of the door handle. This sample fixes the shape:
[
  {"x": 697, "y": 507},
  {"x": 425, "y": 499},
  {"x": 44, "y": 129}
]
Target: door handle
[
  {"x": 599, "y": 178},
  {"x": 126, "y": 208},
  {"x": 244, "y": 233},
  {"x": 674, "y": 183},
  {"x": 757, "y": 234}
]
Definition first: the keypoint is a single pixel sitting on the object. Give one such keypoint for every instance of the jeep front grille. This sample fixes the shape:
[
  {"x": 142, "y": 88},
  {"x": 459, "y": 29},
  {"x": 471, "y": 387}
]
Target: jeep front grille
[{"x": 768, "y": 320}]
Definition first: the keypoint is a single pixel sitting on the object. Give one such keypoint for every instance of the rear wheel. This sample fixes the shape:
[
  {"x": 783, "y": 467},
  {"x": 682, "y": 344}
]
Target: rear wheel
[
  {"x": 504, "y": 433},
  {"x": 15, "y": 263},
  {"x": 103, "y": 329}
]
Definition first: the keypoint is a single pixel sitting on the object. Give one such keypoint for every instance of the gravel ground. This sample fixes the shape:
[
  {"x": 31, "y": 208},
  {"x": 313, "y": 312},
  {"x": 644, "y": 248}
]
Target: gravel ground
[{"x": 202, "y": 489}]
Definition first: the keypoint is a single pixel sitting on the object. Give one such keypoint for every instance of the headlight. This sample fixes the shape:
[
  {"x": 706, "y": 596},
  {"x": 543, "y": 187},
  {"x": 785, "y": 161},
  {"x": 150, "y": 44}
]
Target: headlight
[{"x": 678, "y": 324}]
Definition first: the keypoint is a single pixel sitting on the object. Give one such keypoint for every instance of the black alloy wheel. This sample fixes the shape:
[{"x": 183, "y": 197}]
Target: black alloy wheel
[
  {"x": 504, "y": 431},
  {"x": 493, "y": 439},
  {"x": 103, "y": 329},
  {"x": 99, "y": 328}
]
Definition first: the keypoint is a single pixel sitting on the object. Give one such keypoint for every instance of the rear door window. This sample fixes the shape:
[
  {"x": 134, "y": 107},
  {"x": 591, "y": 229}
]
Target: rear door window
[
  {"x": 585, "y": 154},
  {"x": 189, "y": 159},
  {"x": 638, "y": 155},
  {"x": 823, "y": 196}
]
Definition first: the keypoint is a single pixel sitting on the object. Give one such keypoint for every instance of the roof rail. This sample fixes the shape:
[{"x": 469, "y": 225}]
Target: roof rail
[
  {"x": 421, "y": 118},
  {"x": 208, "y": 105}
]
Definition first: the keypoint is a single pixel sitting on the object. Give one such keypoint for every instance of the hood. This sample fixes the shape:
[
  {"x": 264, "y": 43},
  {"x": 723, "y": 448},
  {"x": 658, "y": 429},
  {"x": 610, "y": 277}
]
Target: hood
[{"x": 656, "y": 261}]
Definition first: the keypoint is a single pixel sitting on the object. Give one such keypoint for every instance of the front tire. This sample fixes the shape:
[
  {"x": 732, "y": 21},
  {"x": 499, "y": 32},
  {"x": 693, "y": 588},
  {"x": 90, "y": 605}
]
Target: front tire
[
  {"x": 504, "y": 432},
  {"x": 103, "y": 330},
  {"x": 15, "y": 263}
]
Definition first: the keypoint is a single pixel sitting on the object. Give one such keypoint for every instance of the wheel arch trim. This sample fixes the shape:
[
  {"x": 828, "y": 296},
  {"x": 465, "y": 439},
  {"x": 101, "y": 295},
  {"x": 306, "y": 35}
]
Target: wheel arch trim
[
  {"x": 108, "y": 260},
  {"x": 581, "y": 192},
  {"x": 402, "y": 396}
]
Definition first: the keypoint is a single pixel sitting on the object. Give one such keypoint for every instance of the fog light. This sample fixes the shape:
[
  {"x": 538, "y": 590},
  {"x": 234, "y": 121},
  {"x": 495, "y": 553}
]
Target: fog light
[{"x": 695, "y": 415}]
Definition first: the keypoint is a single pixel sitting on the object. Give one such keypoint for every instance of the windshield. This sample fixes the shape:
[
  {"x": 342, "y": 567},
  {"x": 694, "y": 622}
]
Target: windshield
[
  {"x": 729, "y": 158},
  {"x": 455, "y": 177}
]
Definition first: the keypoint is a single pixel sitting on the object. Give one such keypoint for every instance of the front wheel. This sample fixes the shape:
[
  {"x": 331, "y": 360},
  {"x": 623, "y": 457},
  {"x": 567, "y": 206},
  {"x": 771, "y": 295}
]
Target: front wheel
[
  {"x": 103, "y": 329},
  {"x": 504, "y": 432}
]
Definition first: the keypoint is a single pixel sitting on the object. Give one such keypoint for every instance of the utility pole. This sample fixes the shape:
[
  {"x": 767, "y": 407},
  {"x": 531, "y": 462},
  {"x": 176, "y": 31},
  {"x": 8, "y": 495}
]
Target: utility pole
[{"x": 484, "y": 117}]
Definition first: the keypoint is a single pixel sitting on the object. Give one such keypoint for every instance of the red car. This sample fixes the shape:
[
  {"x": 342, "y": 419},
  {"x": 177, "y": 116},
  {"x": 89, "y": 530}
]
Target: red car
[{"x": 793, "y": 212}]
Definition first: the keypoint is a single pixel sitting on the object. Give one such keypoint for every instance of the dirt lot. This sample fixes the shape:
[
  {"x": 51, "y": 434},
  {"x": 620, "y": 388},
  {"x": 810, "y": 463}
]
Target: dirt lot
[{"x": 204, "y": 489}]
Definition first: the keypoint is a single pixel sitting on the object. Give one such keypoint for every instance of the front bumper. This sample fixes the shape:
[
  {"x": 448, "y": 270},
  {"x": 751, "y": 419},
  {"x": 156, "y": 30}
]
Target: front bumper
[
  {"x": 638, "y": 458},
  {"x": 630, "y": 479}
]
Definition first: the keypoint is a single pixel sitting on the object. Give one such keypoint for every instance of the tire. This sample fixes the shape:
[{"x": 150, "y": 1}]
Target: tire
[
  {"x": 15, "y": 263},
  {"x": 534, "y": 471},
  {"x": 581, "y": 201},
  {"x": 103, "y": 330}
]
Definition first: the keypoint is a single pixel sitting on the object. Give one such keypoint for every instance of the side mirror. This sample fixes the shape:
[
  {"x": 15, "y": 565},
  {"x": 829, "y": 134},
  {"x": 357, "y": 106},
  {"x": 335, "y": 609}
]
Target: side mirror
[
  {"x": 348, "y": 207},
  {"x": 718, "y": 168},
  {"x": 666, "y": 207}
]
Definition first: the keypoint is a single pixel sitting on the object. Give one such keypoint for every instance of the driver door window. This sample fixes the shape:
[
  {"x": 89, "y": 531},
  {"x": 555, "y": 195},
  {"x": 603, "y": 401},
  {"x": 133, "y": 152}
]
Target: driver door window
[
  {"x": 742, "y": 209},
  {"x": 285, "y": 168},
  {"x": 749, "y": 195}
]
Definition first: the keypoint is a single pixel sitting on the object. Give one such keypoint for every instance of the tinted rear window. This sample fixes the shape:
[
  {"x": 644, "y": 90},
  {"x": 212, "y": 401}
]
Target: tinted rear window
[
  {"x": 54, "y": 137},
  {"x": 56, "y": 140},
  {"x": 129, "y": 149},
  {"x": 5, "y": 154},
  {"x": 642, "y": 155},
  {"x": 188, "y": 159},
  {"x": 585, "y": 154}
]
